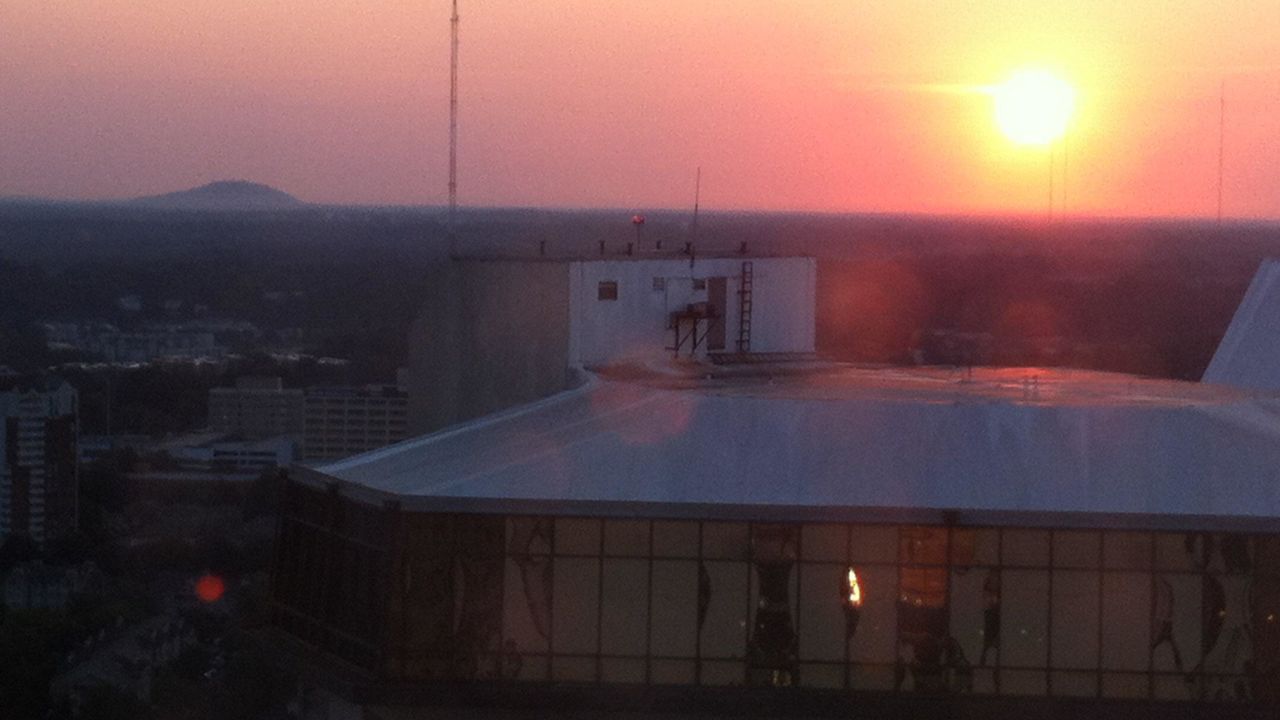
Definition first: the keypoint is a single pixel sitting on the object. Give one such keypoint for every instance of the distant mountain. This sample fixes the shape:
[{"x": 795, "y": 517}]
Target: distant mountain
[{"x": 224, "y": 195}]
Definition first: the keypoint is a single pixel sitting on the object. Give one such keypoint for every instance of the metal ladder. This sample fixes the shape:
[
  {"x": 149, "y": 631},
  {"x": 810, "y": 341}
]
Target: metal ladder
[{"x": 744, "y": 309}]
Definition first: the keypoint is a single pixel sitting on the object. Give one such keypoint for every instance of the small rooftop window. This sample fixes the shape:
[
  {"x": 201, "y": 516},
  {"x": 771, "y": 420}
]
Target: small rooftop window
[{"x": 607, "y": 290}]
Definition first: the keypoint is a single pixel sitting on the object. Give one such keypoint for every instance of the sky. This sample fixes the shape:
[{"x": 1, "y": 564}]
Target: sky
[{"x": 842, "y": 105}]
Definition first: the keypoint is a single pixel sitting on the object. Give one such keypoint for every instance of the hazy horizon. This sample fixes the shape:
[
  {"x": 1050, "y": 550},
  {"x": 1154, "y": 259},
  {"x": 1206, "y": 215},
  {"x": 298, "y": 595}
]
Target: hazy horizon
[{"x": 876, "y": 108}]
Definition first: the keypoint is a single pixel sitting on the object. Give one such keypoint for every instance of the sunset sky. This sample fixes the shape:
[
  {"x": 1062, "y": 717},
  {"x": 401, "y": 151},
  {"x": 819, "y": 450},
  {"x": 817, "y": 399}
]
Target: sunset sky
[{"x": 838, "y": 106}]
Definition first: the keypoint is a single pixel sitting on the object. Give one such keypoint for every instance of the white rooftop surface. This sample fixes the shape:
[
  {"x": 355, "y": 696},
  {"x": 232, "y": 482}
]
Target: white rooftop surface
[
  {"x": 1249, "y": 354},
  {"x": 841, "y": 442}
]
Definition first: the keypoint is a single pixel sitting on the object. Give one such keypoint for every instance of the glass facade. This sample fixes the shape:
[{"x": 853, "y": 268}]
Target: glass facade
[{"x": 851, "y": 607}]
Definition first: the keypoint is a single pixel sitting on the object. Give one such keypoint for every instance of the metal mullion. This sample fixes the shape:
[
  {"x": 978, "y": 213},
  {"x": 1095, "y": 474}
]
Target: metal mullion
[
  {"x": 1000, "y": 605},
  {"x": 1151, "y": 616},
  {"x": 897, "y": 621},
  {"x": 600, "y": 606},
  {"x": 551, "y": 614},
  {"x": 747, "y": 619},
  {"x": 799, "y": 570},
  {"x": 848, "y": 561},
  {"x": 1102, "y": 560},
  {"x": 648, "y": 620},
  {"x": 697, "y": 640}
]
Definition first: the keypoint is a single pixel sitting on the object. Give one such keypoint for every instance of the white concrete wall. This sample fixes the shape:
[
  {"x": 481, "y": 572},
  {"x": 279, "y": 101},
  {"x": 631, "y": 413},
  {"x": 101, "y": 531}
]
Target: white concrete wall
[{"x": 635, "y": 325}]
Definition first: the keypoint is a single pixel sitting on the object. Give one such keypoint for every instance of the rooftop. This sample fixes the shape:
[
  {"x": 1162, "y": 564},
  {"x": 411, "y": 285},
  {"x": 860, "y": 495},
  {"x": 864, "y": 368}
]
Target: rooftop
[{"x": 812, "y": 441}]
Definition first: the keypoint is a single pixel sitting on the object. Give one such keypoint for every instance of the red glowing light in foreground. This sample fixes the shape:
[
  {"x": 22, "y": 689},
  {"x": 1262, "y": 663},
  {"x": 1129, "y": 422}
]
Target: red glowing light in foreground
[{"x": 210, "y": 588}]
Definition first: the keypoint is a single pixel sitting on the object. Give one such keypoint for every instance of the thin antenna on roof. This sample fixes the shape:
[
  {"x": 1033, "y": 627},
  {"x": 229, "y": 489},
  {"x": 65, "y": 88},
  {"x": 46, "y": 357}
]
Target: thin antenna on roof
[
  {"x": 697, "y": 191},
  {"x": 1222, "y": 117},
  {"x": 1066, "y": 135},
  {"x": 1051, "y": 146},
  {"x": 453, "y": 126}
]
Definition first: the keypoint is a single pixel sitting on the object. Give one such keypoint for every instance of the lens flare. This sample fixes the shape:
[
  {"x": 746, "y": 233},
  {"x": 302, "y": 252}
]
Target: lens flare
[{"x": 210, "y": 588}]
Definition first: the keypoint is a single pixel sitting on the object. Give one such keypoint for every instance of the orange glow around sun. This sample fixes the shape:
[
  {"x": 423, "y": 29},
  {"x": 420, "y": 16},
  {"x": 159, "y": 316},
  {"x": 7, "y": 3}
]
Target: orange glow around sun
[{"x": 1033, "y": 107}]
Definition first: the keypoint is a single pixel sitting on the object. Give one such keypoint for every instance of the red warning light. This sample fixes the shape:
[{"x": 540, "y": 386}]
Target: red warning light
[
  {"x": 637, "y": 219},
  {"x": 210, "y": 588}
]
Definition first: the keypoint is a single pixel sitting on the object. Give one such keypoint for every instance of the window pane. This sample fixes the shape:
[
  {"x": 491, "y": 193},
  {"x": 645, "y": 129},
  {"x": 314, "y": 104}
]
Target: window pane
[
  {"x": 970, "y": 604},
  {"x": 1023, "y": 682},
  {"x": 1024, "y": 611},
  {"x": 574, "y": 610},
  {"x": 672, "y": 672},
  {"x": 826, "y": 675},
  {"x": 573, "y": 669},
  {"x": 625, "y": 610},
  {"x": 1174, "y": 552},
  {"x": 675, "y": 539},
  {"x": 1124, "y": 685},
  {"x": 876, "y": 636},
  {"x": 923, "y": 545},
  {"x": 718, "y": 672},
  {"x": 725, "y": 540},
  {"x": 1226, "y": 620},
  {"x": 1077, "y": 549},
  {"x": 1029, "y": 548},
  {"x": 971, "y": 547},
  {"x": 577, "y": 536},
  {"x": 675, "y": 608},
  {"x": 824, "y": 542},
  {"x": 526, "y": 610},
  {"x": 1075, "y": 619},
  {"x": 627, "y": 672},
  {"x": 1075, "y": 684},
  {"x": 1127, "y": 550},
  {"x": 873, "y": 543},
  {"x": 1126, "y": 620},
  {"x": 822, "y": 611},
  {"x": 626, "y": 537},
  {"x": 1176, "y": 622},
  {"x": 724, "y": 630}
]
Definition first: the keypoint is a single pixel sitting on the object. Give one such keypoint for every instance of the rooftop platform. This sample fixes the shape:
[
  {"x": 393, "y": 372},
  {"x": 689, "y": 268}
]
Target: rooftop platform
[{"x": 816, "y": 441}]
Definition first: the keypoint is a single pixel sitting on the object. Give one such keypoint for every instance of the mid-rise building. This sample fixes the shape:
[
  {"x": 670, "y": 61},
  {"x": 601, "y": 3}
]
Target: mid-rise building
[
  {"x": 342, "y": 421},
  {"x": 257, "y": 408},
  {"x": 38, "y": 475},
  {"x": 759, "y": 536}
]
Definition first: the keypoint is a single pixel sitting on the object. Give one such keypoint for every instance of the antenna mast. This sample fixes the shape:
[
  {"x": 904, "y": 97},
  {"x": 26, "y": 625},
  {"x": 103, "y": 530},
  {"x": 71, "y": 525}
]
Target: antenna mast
[
  {"x": 697, "y": 191},
  {"x": 1222, "y": 117},
  {"x": 453, "y": 118}
]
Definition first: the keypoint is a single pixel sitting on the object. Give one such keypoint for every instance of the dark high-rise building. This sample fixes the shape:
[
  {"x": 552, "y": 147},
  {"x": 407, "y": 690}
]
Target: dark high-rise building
[{"x": 38, "y": 479}]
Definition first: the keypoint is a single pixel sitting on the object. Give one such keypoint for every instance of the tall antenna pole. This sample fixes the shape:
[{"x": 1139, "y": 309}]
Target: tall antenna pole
[
  {"x": 1222, "y": 123},
  {"x": 1051, "y": 148},
  {"x": 453, "y": 121},
  {"x": 1065, "y": 154},
  {"x": 697, "y": 191}
]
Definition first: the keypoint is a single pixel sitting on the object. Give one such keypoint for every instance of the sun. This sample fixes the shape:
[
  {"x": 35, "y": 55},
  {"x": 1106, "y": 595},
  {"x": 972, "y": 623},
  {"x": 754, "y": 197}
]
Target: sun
[{"x": 1033, "y": 107}]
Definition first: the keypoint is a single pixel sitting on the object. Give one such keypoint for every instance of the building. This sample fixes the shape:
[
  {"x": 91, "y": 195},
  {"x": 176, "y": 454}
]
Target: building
[
  {"x": 37, "y": 586},
  {"x": 38, "y": 473},
  {"x": 342, "y": 421},
  {"x": 227, "y": 456},
  {"x": 126, "y": 659},
  {"x": 112, "y": 345},
  {"x": 257, "y": 408},
  {"x": 497, "y": 333},
  {"x": 781, "y": 535}
]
